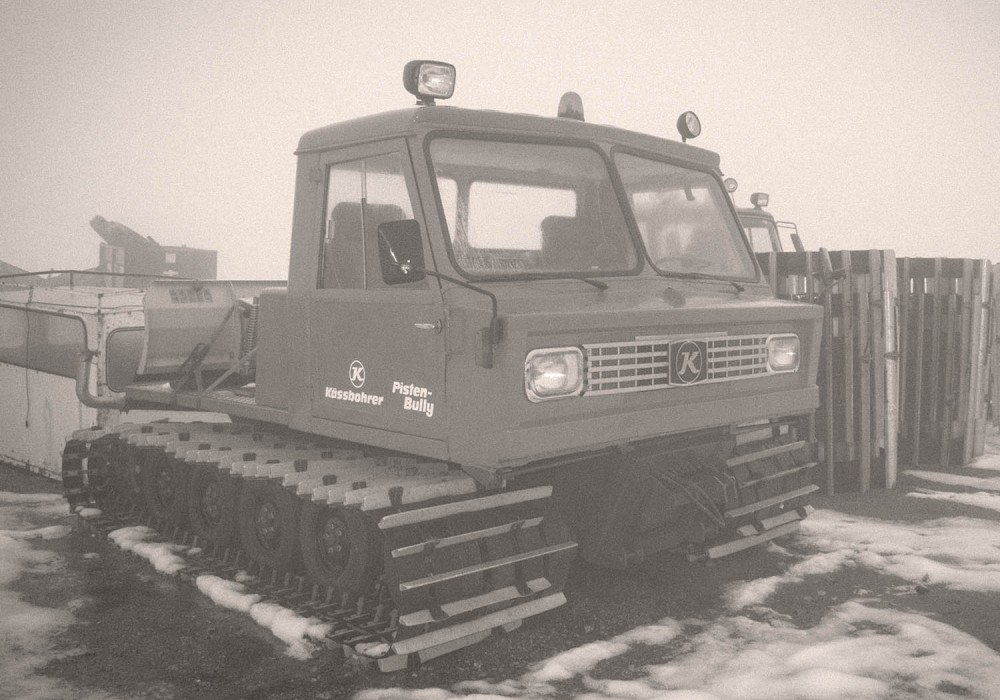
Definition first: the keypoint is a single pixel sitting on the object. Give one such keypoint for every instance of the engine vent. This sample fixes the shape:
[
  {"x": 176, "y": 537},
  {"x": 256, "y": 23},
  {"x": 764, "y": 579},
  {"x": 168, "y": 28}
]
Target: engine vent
[{"x": 655, "y": 363}]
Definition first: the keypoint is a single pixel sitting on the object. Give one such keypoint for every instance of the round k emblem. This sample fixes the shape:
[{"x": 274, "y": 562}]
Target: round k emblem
[{"x": 357, "y": 374}]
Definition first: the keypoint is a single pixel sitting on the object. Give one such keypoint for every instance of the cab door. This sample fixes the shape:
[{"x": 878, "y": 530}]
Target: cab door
[{"x": 377, "y": 352}]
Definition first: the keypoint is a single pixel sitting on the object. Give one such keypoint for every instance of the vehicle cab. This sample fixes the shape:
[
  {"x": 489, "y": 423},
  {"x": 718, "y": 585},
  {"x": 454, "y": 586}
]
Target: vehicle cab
[
  {"x": 495, "y": 289},
  {"x": 765, "y": 234}
]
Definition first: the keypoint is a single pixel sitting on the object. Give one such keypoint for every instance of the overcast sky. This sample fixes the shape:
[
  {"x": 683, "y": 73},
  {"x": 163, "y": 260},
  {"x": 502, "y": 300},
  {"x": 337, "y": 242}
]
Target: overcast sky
[{"x": 872, "y": 125}]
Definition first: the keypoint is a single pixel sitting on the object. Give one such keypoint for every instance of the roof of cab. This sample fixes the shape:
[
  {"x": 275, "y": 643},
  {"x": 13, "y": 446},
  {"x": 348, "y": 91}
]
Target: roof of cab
[{"x": 422, "y": 119}]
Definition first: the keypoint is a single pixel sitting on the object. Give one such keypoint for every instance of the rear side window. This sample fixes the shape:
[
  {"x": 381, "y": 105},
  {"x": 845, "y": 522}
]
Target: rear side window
[
  {"x": 760, "y": 237},
  {"x": 361, "y": 195}
]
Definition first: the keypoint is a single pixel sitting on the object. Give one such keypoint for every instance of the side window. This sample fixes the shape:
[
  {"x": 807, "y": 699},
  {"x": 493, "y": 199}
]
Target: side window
[
  {"x": 360, "y": 195},
  {"x": 42, "y": 341},
  {"x": 760, "y": 240}
]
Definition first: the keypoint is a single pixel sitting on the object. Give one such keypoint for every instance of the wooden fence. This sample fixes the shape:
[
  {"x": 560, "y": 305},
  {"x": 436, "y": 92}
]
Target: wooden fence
[
  {"x": 907, "y": 365},
  {"x": 945, "y": 311},
  {"x": 993, "y": 339},
  {"x": 856, "y": 424}
]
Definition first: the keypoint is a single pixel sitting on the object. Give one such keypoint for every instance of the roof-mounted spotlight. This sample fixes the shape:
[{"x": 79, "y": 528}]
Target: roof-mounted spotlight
[
  {"x": 571, "y": 106},
  {"x": 688, "y": 125},
  {"x": 759, "y": 200},
  {"x": 429, "y": 80},
  {"x": 731, "y": 184}
]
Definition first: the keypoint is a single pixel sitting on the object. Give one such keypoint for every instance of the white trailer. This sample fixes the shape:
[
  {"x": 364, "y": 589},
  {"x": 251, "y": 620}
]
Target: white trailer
[{"x": 44, "y": 331}]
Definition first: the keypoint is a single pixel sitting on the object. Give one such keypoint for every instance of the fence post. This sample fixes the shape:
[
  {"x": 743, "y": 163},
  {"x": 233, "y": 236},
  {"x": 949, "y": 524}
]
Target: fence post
[{"x": 890, "y": 339}]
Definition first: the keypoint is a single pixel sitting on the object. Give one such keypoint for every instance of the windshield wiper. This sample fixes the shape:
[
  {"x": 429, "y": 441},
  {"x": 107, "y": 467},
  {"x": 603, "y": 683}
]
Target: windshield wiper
[
  {"x": 701, "y": 276},
  {"x": 593, "y": 283}
]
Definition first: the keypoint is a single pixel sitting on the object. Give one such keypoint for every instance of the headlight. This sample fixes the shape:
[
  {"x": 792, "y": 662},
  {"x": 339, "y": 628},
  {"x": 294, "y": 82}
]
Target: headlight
[
  {"x": 553, "y": 373},
  {"x": 429, "y": 80},
  {"x": 783, "y": 353}
]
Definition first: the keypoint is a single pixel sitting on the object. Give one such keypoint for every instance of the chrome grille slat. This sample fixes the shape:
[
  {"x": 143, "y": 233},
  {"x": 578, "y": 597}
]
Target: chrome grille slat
[{"x": 644, "y": 365}]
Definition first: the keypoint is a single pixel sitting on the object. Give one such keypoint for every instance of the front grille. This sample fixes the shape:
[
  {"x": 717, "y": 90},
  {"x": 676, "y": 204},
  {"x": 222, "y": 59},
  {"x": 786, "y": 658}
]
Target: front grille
[{"x": 644, "y": 364}]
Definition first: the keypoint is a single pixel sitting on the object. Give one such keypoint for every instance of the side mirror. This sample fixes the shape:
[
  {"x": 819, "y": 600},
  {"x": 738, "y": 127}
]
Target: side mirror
[{"x": 401, "y": 251}]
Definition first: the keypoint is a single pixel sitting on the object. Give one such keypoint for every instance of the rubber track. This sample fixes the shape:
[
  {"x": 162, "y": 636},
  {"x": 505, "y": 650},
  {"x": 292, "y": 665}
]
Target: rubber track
[
  {"x": 473, "y": 596},
  {"x": 355, "y": 622}
]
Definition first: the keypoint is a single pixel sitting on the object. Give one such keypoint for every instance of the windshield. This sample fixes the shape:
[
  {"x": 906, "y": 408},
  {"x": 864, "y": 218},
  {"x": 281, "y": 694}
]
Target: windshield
[
  {"x": 684, "y": 219},
  {"x": 530, "y": 209}
]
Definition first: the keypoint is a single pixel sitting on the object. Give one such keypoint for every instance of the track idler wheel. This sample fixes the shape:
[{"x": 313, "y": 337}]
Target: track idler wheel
[
  {"x": 341, "y": 547},
  {"x": 103, "y": 471},
  {"x": 212, "y": 500},
  {"x": 164, "y": 487},
  {"x": 268, "y": 523}
]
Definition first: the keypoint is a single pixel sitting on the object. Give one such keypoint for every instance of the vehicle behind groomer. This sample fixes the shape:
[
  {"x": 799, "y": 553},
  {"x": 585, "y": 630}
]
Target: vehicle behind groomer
[{"x": 505, "y": 339}]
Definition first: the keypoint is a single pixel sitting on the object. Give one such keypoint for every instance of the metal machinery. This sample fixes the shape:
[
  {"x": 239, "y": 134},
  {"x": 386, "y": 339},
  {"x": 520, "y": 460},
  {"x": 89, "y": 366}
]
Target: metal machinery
[
  {"x": 765, "y": 233},
  {"x": 505, "y": 339}
]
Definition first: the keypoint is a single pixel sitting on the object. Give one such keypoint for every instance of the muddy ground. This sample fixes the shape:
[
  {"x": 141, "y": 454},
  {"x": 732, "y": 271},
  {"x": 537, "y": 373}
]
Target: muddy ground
[{"x": 147, "y": 635}]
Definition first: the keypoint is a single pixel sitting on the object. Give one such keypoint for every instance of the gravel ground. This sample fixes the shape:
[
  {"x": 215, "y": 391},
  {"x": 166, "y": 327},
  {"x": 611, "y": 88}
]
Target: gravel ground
[{"x": 146, "y": 635}]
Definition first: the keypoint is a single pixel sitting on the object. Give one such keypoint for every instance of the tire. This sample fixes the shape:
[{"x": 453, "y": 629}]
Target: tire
[
  {"x": 164, "y": 487},
  {"x": 212, "y": 500},
  {"x": 341, "y": 548},
  {"x": 268, "y": 524}
]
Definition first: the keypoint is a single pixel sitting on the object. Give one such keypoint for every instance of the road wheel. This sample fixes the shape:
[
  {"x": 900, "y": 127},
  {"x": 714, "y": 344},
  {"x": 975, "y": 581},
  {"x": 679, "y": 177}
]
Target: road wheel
[
  {"x": 212, "y": 501},
  {"x": 341, "y": 548},
  {"x": 164, "y": 487},
  {"x": 268, "y": 524}
]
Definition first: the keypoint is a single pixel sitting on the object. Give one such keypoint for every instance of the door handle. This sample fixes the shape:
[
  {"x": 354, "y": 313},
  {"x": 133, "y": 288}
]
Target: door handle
[{"x": 435, "y": 326}]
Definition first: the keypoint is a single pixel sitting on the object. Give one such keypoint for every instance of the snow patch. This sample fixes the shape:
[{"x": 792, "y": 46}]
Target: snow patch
[
  {"x": 576, "y": 661},
  {"x": 140, "y": 540},
  {"x": 26, "y": 630},
  {"x": 226, "y": 594},
  {"x": 21, "y": 510},
  {"x": 373, "y": 650},
  {"x": 959, "y": 553},
  {"x": 855, "y": 652},
  {"x": 975, "y": 482},
  {"x": 991, "y": 457},
  {"x": 980, "y": 499},
  {"x": 8, "y": 498},
  {"x": 300, "y": 633},
  {"x": 51, "y": 532}
]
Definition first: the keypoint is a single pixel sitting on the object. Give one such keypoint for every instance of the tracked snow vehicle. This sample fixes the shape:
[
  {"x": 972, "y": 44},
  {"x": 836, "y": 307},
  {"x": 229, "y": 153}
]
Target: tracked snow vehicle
[
  {"x": 765, "y": 233},
  {"x": 505, "y": 340}
]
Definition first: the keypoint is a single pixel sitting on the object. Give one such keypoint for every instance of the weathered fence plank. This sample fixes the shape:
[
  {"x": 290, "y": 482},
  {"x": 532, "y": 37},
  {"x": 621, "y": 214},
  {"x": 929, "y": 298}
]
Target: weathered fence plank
[
  {"x": 945, "y": 309},
  {"x": 856, "y": 424},
  {"x": 908, "y": 366},
  {"x": 890, "y": 361}
]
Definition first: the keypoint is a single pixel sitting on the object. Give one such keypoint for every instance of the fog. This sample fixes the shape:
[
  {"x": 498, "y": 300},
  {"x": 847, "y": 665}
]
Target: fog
[{"x": 870, "y": 125}]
